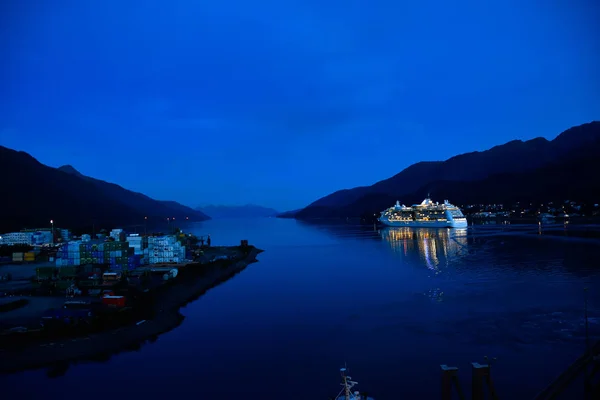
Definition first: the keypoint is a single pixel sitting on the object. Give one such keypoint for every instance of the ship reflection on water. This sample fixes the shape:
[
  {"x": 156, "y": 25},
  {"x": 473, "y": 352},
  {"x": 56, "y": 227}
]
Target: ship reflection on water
[{"x": 436, "y": 248}]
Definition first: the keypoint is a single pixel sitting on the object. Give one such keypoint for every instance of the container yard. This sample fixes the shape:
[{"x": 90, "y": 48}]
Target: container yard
[
  {"x": 166, "y": 249},
  {"x": 122, "y": 255},
  {"x": 111, "y": 294},
  {"x": 118, "y": 255}
]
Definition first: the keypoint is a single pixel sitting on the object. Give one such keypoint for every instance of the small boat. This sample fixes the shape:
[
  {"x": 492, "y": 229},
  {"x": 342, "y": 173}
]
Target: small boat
[{"x": 346, "y": 392}]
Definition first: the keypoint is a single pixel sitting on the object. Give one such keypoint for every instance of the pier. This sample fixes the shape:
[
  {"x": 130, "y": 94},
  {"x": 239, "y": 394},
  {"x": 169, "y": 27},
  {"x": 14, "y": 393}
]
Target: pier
[
  {"x": 583, "y": 375},
  {"x": 585, "y": 370}
]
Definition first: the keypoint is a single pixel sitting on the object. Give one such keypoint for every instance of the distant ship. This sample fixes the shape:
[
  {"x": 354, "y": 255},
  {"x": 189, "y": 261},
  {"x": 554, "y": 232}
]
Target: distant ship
[{"x": 427, "y": 214}]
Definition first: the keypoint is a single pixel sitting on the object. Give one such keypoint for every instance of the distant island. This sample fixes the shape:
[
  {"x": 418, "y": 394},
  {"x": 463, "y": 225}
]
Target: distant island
[
  {"x": 37, "y": 193},
  {"x": 244, "y": 211},
  {"x": 536, "y": 171}
]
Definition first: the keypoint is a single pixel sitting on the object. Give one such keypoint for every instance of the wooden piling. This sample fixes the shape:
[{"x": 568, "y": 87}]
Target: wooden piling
[{"x": 450, "y": 376}]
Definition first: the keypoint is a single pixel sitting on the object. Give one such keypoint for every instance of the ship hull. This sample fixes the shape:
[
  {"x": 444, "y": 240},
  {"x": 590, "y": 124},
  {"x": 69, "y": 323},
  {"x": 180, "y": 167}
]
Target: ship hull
[{"x": 426, "y": 224}]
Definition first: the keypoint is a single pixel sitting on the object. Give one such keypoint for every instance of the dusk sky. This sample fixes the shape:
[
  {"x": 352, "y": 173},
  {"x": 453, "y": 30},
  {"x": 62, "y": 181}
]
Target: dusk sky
[{"x": 278, "y": 103}]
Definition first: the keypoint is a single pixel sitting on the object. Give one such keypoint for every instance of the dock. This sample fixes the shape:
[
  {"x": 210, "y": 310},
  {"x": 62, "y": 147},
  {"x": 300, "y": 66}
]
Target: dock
[
  {"x": 582, "y": 376},
  {"x": 586, "y": 369},
  {"x": 168, "y": 299}
]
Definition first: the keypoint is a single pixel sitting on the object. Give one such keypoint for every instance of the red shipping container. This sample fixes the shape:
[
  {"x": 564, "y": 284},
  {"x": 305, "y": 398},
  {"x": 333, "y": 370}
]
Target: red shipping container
[{"x": 114, "y": 301}]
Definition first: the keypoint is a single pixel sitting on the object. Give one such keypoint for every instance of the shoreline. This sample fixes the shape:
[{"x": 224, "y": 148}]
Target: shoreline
[{"x": 117, "y": 340}]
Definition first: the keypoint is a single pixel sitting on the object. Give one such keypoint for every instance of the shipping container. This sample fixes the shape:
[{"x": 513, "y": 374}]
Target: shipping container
[
  {"x": 114, "y": 301},
  {"x": 111, "y": 276},
  {"x": 67, "y": 272}
]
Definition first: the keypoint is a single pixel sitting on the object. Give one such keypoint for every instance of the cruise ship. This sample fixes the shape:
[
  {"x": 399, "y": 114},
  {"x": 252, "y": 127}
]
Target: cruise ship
[{"x": 427, "y": 214}]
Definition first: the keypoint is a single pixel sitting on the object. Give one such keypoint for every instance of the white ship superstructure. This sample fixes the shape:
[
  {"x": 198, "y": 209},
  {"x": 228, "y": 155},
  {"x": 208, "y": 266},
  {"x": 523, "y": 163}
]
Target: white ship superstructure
[{"x": 427, "y": 214}]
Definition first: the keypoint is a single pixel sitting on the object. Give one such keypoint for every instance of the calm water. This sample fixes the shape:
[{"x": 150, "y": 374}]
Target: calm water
[{"x": 392, "y": 303}]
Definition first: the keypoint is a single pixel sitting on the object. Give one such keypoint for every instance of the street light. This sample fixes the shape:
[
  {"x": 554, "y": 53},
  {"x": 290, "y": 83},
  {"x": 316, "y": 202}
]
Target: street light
[
  {"x": 52, "y": 223},
  {"x": 145, "y": 226}
]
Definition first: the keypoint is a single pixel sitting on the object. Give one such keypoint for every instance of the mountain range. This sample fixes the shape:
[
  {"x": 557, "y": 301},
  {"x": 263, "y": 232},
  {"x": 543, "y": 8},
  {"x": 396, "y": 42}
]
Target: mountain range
[
  {"x": 36, "y": 193},
  {"x": 534, "y": 170},
  {"x": 245, "y": 211}
]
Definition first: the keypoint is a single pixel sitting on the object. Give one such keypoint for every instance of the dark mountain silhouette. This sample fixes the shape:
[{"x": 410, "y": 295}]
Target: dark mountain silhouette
[
  {"x": 536, "y": 169},
  {"x": 288, "y": 214},
  {"x": 69, "y": 169},
  {"x": 245, "y": 211},
  {"x": 36, "y": 193}
]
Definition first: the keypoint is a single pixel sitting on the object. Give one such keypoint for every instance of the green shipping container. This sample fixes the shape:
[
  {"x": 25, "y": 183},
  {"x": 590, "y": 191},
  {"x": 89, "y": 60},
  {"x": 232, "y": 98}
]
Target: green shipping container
[
  {"x": 45, "y": 272},
  {"x": 67, "y": 271},
  {"x": 63, "y": 285}
]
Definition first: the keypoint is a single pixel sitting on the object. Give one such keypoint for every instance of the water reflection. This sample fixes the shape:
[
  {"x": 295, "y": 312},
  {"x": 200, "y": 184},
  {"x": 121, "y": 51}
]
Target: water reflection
[{"x": 435, "y": 247}]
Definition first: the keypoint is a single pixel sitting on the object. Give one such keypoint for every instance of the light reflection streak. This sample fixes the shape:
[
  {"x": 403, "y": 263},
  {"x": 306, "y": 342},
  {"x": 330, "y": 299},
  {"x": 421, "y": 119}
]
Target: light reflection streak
[{"x": 435, "y": 247}]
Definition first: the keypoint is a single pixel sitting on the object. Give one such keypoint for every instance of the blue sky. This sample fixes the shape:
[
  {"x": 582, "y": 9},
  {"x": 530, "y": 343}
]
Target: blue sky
[{"x": 281, "y": 102}]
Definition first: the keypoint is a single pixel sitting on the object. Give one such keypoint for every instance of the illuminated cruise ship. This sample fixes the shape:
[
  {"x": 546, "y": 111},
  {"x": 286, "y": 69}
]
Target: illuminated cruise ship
[{"x": 427, "y": 214}]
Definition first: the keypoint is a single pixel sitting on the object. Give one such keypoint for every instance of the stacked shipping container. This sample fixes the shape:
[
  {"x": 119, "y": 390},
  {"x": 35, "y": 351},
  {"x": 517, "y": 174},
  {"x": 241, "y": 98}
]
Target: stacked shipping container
[
  {"x": 118, "y": 255},
  {"x": 65, "y": 234},
  {"x": 138, "y": 243},
  {"x": 29, "y": 256},
  {"x": 116, "y": 234},
  {"x": 41, "y": 237},
  {"x": 164, "y": 249},
  {"x": 68, "y": 254},
  {"x": 16, "y": 238},
  {"x": 121, "y": 256}
]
